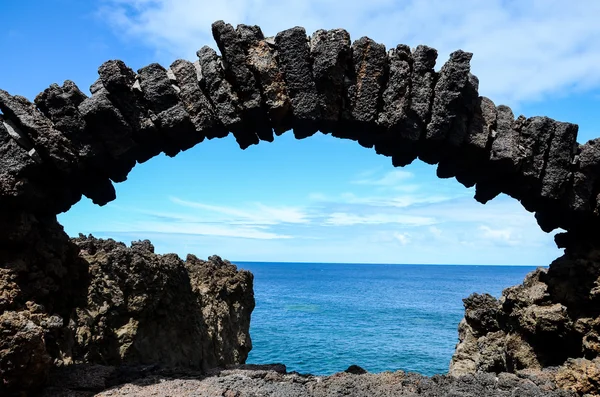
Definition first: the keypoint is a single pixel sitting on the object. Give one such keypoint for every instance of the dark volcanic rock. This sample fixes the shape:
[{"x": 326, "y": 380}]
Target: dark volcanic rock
[
  {"x": 24, "y": 361},
  {"x": 331, "y": 52},
  {"x": 262, "y": 60},
  {"x": 97, "y": 301},
  {"x": 52, "y": 146},
  {"x": 222, "y": 95},
  {"x": 403, "y": 127},
  {"x": 112, "y": 137},
  {"x": 125, "y": 93},
  {"x": 269, "y": 381},
  {"x": 560, "y": 157},
  {"x": 585, "y": 176},
  {"x": 551, "y": 320},
  {"x": 233, "y": 48},
  {"x": 295, "y": 62},
  {"x": 15, "y": 165},
  {"x": 452, "y": 106},
  {"x": 196, "y": 104},
  {"x": 41, "y": 280},
  {"x": 173, "y": 121},
  {"x": 472, "y": 161},
  {"x": 144, "y": 308},
  {"x": 368, "y": 82}
]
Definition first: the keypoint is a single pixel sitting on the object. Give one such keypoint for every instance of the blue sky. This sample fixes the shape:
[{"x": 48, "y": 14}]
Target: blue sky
[{"x": 319, "y": 199}]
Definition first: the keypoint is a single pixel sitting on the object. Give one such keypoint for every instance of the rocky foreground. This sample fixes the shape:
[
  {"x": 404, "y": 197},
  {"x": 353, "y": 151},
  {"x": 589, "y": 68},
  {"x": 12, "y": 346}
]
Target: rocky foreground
[
  {"x": 128, "y": 306},
  {"x": 274, "y": 381}
]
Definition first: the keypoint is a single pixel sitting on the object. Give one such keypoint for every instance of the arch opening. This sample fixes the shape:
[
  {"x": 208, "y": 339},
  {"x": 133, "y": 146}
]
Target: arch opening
[{"x": 67, "y": 145}]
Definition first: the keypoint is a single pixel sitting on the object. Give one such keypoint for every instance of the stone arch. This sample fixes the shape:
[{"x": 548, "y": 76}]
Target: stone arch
[{"x": 67, "y": 144}]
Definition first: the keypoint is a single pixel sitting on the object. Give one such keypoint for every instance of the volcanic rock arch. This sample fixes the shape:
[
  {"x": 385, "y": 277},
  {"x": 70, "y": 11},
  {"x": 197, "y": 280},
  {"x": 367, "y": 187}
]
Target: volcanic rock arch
[{"x": 67, "y": 144}]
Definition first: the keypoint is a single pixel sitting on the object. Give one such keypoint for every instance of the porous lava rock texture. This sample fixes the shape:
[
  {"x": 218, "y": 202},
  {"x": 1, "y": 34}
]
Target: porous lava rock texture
[
  {"x": 131, "y": 307},
  {"x": 275, "y": 381},
  {"x": 551, "y": 320},
  {"x": 68, "y": 143}
]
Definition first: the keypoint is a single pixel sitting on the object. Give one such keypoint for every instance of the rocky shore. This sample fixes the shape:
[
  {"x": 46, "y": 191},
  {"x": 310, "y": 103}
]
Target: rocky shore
[
  {"x": 274, "y": 381},
  {"x": 131, "y": 307},
  {"x": 68, "y": 303}
]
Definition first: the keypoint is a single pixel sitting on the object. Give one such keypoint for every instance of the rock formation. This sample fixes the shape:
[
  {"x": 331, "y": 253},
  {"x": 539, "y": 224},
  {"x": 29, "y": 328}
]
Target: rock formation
[
  {"x": 67, "y": 144},
  {"x": 135, "y": 307},
  {"x": 274, "y": 381},
  {"x": 551, "y": 320}
]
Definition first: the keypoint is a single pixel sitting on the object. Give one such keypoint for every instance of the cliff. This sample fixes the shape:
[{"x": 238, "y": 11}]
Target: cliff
[
  {"x": 551, "y": 320},
  {"x": 121, "y": 306}
]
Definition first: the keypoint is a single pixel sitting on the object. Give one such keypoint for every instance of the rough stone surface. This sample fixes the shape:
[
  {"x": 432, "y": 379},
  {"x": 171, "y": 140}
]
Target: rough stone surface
[
  {"x": 452, "y": 106},
  {"x": 393, "y": 101},
  {"x": 295, "y": 62},
  {"x": 234, "y": 52},
  {"x": 112, "y": 145},
  {"x": 262, "y": 60},
  {"x": 402, "y": 126},
  {"x": 100, "y": 302},
  {"x": 368, "y": 80},
  {"x": 560, "y": 157},
  {"x": 178, "y": 131},
  {"x": 274, "y": 381},
  {"x": 195, "y": 102},
  {"x": 222, "y": 95},
  {"x": 331, "y": 52},
  {"x": 582, "y": 198},
  {"x": 68, "y": 145},
  {"x": 50, "y": 143},
  {"x": 120, "y": 82},
  {"x": 24, "y": 361},
  {"x": 551, "y": 320},
  {"x": 144, "y": 308}
]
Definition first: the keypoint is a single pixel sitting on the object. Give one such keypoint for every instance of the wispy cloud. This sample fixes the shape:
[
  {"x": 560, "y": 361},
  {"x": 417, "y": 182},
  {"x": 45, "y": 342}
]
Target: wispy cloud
[
  {"x": 345, "y": 219},
  {"x": 524, "y": 50},
  {"x": 403, "y": 238},
  {"x": 258, "y": 214},
  {"x": 200, "y": 229},
  {"x": 393, "y": 201},
  {"x": 505, "y": 235},
  {"x": 390, "y": 179}
]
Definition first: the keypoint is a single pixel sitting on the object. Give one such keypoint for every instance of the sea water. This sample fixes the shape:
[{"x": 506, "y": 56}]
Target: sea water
[{"x": 321, "y": 318}]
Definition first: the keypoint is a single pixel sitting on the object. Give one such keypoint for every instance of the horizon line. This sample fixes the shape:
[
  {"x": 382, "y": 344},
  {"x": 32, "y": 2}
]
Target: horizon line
[{"x": 390, "y": 264}]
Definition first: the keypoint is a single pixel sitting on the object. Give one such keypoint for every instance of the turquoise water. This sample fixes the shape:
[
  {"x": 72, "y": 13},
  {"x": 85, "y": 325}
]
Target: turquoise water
[{"x": 321, "y": 318}]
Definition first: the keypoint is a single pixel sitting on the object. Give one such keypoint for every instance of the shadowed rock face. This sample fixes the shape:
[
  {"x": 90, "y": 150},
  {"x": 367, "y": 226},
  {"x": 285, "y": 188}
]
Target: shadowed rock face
[
  {"x": 551, "y": 320},
  {"x": 67, "y": 145},
  {"x": 98, "y": 301}
]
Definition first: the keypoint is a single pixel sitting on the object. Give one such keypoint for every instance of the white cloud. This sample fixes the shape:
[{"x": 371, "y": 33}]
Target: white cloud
[
  {"x": 198, "y": 229},
  {"x": 390, "y": 179},
  {"x": 505, "y": 235},
  {"x": 396, "y": 201},
  {"x": 524, "y": 49},
  {"x": 403, "y": 238},
  {"x": 345, "y": 219},
  {"x": 260, "y": 214},
  {"x": 436, "y": 231}
]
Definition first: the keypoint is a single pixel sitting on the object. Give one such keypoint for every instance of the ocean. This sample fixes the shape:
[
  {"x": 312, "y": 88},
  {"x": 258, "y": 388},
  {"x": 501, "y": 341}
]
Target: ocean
[{"x": 321, "y": 318}]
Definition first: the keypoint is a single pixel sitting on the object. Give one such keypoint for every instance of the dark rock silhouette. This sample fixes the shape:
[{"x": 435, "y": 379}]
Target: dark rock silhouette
[
  {"x": 551, "y": 320},
  {"x": 67, "y": 145}
]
